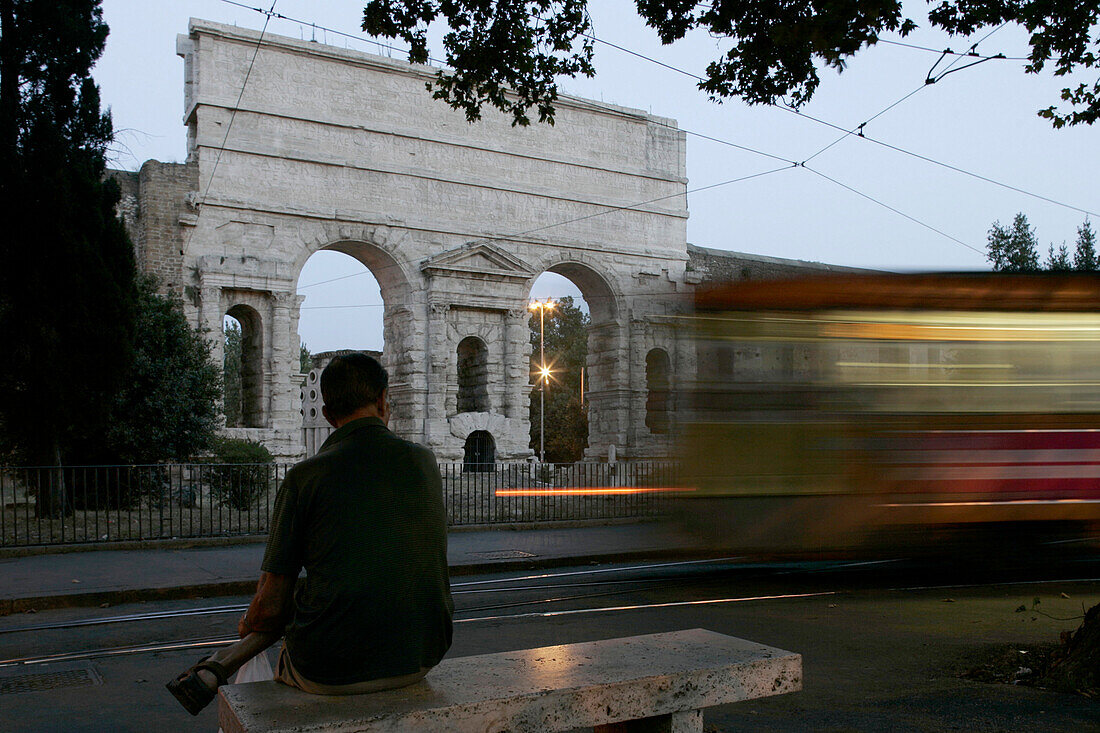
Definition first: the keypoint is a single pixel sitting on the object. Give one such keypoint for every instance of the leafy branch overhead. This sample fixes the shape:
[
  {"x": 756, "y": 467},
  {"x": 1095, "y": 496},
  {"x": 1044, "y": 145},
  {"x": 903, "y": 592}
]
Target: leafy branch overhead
[
  {"x": 509, "y": 53},
  {"x": 506, "y": 53}
]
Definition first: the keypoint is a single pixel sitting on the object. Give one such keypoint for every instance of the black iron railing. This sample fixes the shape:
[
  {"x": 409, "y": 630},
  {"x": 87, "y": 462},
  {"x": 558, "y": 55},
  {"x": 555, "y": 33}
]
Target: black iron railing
[{"x": 104, "y": 504}]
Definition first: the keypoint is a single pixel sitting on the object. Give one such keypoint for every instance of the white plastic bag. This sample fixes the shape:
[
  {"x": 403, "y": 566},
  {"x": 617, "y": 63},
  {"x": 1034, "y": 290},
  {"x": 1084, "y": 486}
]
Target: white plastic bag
[{"x": 257, "y": 669}]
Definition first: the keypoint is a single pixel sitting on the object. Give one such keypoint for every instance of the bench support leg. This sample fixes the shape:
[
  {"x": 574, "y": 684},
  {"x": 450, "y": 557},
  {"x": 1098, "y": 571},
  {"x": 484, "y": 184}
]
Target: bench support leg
[{"x": 690, "y": 721}]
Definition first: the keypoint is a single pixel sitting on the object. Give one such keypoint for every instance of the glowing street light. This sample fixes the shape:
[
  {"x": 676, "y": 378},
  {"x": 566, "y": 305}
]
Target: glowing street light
[{"x": 544, "y": 371}]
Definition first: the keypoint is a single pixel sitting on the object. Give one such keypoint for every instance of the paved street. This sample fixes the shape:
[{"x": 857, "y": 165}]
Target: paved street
[{"x": 882, "y": 642}]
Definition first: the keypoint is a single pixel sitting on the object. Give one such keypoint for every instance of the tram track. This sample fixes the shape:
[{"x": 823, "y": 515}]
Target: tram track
[
  {"x": 460, "y": 588},
  {"x": 699, "y": 572},
  {"x": 196, "y": 643}
]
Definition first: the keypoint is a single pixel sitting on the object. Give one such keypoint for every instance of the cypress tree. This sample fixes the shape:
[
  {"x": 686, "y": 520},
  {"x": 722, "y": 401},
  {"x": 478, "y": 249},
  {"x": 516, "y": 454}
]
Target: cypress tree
[
  {"x": 67, "y": 290},
  {"x": 1084, "y": 256}
]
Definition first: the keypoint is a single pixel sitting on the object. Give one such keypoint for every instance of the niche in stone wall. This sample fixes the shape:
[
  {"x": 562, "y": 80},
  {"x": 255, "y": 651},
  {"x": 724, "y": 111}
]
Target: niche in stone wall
[
  {"x": 243, "y": 368},
  {"x": 473, "y": 375},
  {"x": 657, "y": 368}
]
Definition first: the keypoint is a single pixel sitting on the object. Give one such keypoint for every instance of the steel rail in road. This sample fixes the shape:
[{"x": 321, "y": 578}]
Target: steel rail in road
[
  {"x": 462, "y": 589},
  {"x": 203, "y": 643},
  {"x": 207, "y": 643}
]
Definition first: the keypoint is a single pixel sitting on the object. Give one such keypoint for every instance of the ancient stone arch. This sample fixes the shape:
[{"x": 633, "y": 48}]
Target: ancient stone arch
[{"x": 335, "y": 149}]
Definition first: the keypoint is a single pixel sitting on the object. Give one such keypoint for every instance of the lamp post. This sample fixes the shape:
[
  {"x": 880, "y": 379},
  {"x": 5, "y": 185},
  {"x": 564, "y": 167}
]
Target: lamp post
[{"x": 544, "y": 372}]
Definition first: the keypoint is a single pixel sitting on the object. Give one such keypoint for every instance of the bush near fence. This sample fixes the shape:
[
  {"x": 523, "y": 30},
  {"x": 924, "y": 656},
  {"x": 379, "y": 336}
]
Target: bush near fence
[{"x": 197, "y": 500}]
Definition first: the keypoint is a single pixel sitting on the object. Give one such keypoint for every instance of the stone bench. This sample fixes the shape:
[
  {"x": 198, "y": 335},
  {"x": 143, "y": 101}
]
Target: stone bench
[{"x": 658, "y": 682}]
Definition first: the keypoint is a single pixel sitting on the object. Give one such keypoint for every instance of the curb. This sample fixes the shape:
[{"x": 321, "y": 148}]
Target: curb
[{"x": 9, "y": 606}]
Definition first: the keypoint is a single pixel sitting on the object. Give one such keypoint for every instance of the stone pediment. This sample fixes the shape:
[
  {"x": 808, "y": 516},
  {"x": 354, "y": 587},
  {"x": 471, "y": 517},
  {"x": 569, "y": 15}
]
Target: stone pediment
[{"x": 479, "y": 259}]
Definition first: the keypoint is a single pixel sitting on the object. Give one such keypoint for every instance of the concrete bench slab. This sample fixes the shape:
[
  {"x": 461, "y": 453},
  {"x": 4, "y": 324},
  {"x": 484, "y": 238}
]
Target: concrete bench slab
[{"x": 661, "y": 681}]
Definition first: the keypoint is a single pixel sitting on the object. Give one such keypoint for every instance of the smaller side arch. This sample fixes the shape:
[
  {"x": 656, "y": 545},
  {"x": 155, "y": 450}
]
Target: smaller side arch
[
  {"x": 473, "y": 375},
  {"x": 250, "y": 411},
  {"x": 658, "y": 368}
]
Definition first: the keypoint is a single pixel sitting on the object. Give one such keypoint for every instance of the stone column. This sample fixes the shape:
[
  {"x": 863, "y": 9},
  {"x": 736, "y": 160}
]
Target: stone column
[
  {"x": 517, "y": 364},
  {"x": 608, "y": 370},
  {"x": 210, "y": 316},
  {"x": 284, "y": 373},
  {"x": 438, "y": 359},
  {"x": 516, "y": 387},
  {"x": 404, "y": 359}
]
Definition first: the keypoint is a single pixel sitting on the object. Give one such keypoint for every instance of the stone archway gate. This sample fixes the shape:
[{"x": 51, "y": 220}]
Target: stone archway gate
[{"x": 336, "y": 149}]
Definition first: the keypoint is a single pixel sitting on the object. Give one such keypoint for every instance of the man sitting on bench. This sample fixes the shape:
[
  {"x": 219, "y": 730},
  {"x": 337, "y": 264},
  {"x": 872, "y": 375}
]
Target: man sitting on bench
[{"x": 365, "y": 518}]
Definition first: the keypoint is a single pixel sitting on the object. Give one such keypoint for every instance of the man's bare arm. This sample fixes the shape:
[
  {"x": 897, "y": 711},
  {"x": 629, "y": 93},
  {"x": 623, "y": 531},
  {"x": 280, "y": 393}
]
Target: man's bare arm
[{"x": 271, "y": 607}]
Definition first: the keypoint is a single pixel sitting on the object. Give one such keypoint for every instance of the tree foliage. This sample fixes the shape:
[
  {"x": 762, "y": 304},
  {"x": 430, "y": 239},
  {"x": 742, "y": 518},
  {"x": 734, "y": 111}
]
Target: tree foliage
[
  {"x": 305, "y": 359},
  {"x": 1058, "y": 261},
  {"x": 232, "y": 390},
  {"x": 774, "y": 48},
  {"x": 566, "y": 354},
  {"x": 1084, "y": 254},
  {"x": 67, "y": 289},
  {"x": 168, "y": 409},
  {"x": 1014, "y": 249}
]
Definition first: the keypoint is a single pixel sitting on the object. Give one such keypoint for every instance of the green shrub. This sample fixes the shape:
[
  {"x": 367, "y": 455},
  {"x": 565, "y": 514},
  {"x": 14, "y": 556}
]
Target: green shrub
[{"x": 241, "y": 472}]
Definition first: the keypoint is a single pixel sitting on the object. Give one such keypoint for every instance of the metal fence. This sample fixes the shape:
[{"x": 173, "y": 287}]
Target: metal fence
[{"x": 104, "y": 504}]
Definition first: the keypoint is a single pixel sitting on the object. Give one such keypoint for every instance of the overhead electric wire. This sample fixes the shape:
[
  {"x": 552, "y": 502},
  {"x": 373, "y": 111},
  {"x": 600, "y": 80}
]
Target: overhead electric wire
[
  {"x": 896, "y": 211},
  {"x": 792, "y": 163},
  {"x": 890, "y": 146},
  {"x": 607, "y": 210},
  {"x": 308, "y": 24},
  {"x": 949, "y": 52},
  {"x": 948, "y": 166},
  {"x": 929, "y": 80},
  {"x": 631, "y": 207},
  {"x": 233, "y": 112}
]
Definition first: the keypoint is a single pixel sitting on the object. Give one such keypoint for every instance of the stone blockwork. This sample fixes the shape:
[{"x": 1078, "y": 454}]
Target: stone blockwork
[
  {"x": 716, "y": 265},
  {"x": 331, "y": 149},
  {"x": 340, "y": 150},
  {"x": 158, "y": 207}
]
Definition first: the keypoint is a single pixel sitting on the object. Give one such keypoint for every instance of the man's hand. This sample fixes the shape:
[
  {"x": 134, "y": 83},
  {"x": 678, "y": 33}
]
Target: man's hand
[{"x": 271, "y": 607}]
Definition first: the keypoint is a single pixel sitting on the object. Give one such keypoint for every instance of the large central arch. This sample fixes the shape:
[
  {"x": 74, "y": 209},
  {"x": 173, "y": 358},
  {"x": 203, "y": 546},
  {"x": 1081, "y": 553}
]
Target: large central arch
[{"x": 608, "y": 414}]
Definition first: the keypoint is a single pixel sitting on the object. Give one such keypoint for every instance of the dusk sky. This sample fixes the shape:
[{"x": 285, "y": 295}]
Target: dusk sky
[{"x": 980, "y": 120}]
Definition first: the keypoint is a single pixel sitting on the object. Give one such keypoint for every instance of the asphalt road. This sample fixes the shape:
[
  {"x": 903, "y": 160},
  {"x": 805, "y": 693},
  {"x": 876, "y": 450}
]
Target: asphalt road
[{"x": 882, "y": 642}]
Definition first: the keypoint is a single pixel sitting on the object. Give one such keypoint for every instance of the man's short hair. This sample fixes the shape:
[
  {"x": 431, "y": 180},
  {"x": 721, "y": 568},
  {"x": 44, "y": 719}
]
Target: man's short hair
[{"x": 352, "y": 381}]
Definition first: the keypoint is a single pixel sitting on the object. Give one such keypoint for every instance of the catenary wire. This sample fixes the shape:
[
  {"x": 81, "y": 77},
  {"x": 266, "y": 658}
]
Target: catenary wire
[
  {"x": 792, "y": 110},
  {"x": 607, "y": 210},
  {"x": 949, "y": 52},
  {"x": 269, "y": 14},
  {"x": 882, "y": 143},
  {"x": 929, "y": 79},
  {"x": 891, "y": 208}
]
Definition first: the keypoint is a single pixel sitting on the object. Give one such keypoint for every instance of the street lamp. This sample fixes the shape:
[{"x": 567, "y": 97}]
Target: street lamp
[{"x": 544, "y": 371}]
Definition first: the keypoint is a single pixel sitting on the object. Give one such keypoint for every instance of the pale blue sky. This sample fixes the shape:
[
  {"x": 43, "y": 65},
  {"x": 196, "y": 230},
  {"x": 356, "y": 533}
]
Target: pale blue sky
[{"x": 980, "y": 119}]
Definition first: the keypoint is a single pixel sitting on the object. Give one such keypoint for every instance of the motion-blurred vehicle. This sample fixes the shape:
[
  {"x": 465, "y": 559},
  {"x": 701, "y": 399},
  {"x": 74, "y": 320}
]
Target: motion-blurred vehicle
[{"x": 866, "y": 410}]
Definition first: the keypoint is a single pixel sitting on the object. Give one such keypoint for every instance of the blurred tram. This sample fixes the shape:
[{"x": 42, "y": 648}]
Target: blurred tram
[{"x": 869, "y": 410}]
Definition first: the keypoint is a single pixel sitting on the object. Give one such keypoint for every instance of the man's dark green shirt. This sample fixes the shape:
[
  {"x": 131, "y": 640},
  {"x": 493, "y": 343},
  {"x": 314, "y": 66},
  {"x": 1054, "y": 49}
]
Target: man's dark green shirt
[{"x": 365, "y": 518}]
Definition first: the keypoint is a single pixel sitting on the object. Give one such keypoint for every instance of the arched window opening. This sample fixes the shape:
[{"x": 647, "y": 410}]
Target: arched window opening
[
  {"x": 243, "y": 368},
  {"x": 657, "y": 368},
  {"x": 479, "y": 453},
  {"x": 473, "y": 375}
]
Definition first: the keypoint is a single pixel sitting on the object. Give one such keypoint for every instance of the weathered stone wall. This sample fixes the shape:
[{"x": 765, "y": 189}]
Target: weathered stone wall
[
  {"x": 335, "y": 149},
  {"x": 340, "y": 150},
  {"x": 157, "y": 207},
  {"x": 716, "y": 265}
]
